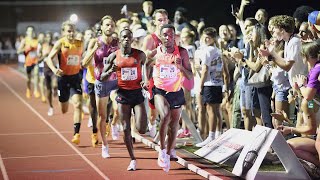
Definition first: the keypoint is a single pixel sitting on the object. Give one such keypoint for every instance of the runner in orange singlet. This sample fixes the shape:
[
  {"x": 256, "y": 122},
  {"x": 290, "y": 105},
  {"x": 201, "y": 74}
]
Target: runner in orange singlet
[{"x": 69, "y": 82}]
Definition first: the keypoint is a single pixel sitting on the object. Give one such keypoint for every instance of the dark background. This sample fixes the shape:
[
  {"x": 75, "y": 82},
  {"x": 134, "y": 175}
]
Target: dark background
[{"x": 215, "y": 12}]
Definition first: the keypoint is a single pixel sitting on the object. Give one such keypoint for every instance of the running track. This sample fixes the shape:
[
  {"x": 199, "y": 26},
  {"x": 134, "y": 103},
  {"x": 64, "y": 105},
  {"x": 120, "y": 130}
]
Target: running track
[{"x": 35, "y": 146}]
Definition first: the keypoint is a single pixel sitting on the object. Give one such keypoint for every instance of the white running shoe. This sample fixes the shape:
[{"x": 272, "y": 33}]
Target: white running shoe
[
  {"x": 205, "y": 142},
  {"x": 50, "y": 111},
  {"x": 105, "y": 151},
  {"x": 164, "y": 160},
  {"x": 152, "y": 130},
  {"x": 90, "y": 122},
  {"x": 115, "y": 132},
  {"x": 132, "y": 166},
  {"x": 173, "y": 155}
]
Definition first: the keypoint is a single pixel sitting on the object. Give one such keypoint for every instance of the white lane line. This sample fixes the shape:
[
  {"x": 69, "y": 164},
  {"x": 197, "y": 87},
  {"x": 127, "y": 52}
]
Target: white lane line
[
  {"x": 3, "y": 169},
  {"x": 39, "y": 133},
  {"x": 55, "y": 130},
  {"x": 69, "y": 155}
]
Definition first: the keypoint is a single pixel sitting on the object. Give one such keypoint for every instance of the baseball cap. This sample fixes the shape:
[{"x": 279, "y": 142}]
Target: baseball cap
[
  {"x": 139, "y": 33},
  {"x": 314, "y": 19}
]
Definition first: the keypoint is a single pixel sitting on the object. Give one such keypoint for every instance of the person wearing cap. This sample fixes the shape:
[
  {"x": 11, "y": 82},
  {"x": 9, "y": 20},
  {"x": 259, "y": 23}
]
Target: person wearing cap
[
  {"x": 314, "y": 23},
  {"x": 138, "y": 36}
]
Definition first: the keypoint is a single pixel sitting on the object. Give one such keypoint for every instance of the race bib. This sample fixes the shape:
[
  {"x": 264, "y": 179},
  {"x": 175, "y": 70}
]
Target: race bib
[
  {"x": 33, "y": 54},
  {"x": 105, "y": 60},
  {"x": 73, "y": 60},
  {"x": 128, "y": 74},
  {"x": 168, "y": 71}
]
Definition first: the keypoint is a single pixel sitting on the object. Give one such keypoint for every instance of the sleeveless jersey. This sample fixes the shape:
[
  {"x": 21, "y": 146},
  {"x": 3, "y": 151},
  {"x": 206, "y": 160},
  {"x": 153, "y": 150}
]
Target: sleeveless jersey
[
  {"x": 157, "y": 41},
  {"x": 129, "y": 72},
  {"x": 100, "y": 56},
  {"x": 30, "y": 51},
  {"x": 166, "y": 75},
  {"x": 70, "y": 57}
]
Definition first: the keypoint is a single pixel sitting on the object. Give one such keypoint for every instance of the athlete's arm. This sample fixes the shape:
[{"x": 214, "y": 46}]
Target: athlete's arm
[
  {"x": 109, "y": 67},
  {"x": 148, "y": 47},
  {"x": 185, "y": 67},
  {"x": 143, "y": 59},
  {"x": 56, "y": 48},
  {"x": 225, "y": 71},
  {"x": 21, "y": 47},
  {"x": 92, "y": 47}
]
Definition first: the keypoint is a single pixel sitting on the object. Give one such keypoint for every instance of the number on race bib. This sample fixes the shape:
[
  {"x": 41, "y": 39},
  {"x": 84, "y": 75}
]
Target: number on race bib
[
  {"x": 128, "y": 74},
  {"x": 73, "y": 60},
  {"x": 33, "y": 54},
  {"x": 168, "y": 71}
]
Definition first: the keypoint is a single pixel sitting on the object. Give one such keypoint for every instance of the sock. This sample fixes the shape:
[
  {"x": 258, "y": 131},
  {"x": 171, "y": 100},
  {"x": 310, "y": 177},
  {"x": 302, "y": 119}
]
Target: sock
[
  {"x": 94, "y": 130},
  {"x": 211, "y": 134},
  {"x": 76, "y": 127},
  {"x": 218, "y": 133}
]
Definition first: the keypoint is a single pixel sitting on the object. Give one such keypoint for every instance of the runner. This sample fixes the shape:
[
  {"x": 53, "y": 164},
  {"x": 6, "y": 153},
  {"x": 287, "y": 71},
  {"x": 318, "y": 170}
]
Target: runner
[
  {"x": 44, "y": 51},
  {"x": 171, "y": 66},
  {"x": 128, "y": 62},
  {"x": 29, "y": 47},
  {"x": 69, "y": 82},
  {"x": 150, "y": 44},
  {"x": 99, "y": 49}
]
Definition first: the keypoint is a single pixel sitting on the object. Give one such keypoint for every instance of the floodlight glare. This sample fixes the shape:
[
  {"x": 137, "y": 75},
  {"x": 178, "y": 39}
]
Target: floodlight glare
[{"x": 74, "y": 18}]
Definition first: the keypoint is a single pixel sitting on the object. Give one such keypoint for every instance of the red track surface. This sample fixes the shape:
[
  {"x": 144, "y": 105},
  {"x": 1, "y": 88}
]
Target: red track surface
[{"x": 35, "y": 146}]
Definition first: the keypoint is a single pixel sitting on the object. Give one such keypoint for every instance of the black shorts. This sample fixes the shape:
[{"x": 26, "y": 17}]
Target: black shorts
[
  {"x": 212, "y": 94},
  {"x": 68, "y": 86},
  {"x": 175, "y": 99},
  {"x": 30, "y": 68},
  {"x": 90, "y": 88},
  {"x": 130, "y": 97}
]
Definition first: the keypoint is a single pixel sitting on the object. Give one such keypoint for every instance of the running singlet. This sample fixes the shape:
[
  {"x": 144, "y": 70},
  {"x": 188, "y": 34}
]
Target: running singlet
[
  {"x": 100, "y": 56},
  {"x": 129, "y": 72},
  {"x": 166, "y": 75},
  {"x": 30, "y": 51},
  {"x": 157, "y": 41},
  {"x": 70, "y": 58}
]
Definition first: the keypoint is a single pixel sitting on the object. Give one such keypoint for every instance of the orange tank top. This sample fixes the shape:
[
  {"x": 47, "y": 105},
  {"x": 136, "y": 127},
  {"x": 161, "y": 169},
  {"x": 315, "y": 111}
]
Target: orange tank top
[
  {"x": 30, "y": 51},
  {"x": 129, "y": 72},
  {"x": 166, "y": 75},
  {"x": 70, "y": 57}
]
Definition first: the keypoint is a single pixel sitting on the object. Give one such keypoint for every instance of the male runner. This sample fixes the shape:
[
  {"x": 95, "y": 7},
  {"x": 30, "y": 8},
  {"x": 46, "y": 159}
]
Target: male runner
[
  {"x": 171, "y": 66},
  {"x": 150, "y": 44},
  {"x": 69, "y": 82},
  {"x": 29, "y": 47},
  {"x": 99, "y": 49},
  {"x": 128, "y": 62}
]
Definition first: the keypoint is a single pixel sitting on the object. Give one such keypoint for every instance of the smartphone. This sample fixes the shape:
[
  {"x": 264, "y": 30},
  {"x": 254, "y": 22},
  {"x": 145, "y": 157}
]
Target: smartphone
[{"x": 232, "y": 10}]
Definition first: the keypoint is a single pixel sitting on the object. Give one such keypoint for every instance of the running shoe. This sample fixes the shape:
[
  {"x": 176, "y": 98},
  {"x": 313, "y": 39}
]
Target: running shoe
[
  {"x": 50, "y": 111},
  {"x": 28, "y": 93},
  {"x": 90, "y": 122},
  {"x": 164, "y": 160},
  {"x": 94, "y": 140},
  {"x": 36, "y": 94},
  {"x": 132, "y": 166},
  {"x": 205, "y": 142},
  {"x": 173, "y": 155},
  {"x": 115, "y": 132},
  {"x": 76, "y": 139},
  {"x": 105, "y": 151},
  {"x": 152, "y": 130},
  {"x": 43, "y": 99}
]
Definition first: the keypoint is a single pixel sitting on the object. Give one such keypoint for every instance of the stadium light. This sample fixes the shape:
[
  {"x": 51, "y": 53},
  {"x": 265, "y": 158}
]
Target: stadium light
[{"x": 73, "y": 18}]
